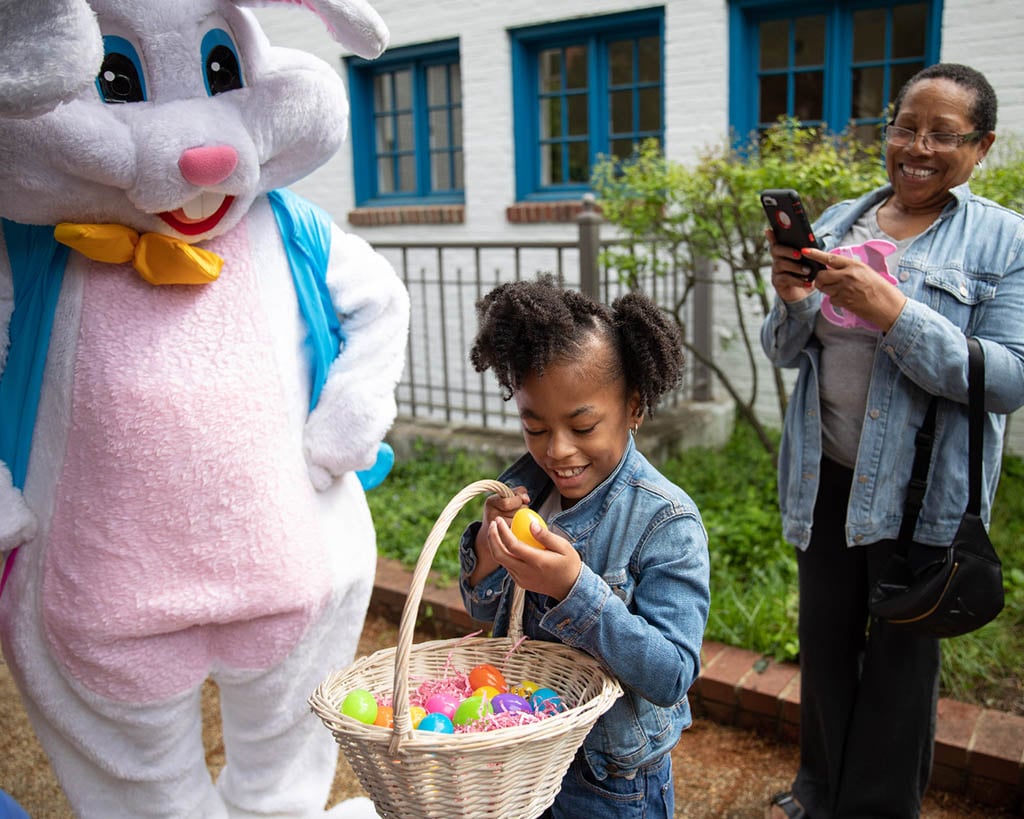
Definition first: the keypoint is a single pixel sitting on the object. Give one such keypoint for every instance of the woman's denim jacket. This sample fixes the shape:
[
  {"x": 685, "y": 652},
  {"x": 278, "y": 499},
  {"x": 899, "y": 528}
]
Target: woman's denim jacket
[
  {"x": 964, "y": 276},
  {"x": 639, "y": 605}
]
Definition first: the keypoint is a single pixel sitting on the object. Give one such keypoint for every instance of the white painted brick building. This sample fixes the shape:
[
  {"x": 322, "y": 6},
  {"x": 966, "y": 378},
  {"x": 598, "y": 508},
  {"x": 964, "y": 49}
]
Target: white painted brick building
[{"x": 703, "y": 85}]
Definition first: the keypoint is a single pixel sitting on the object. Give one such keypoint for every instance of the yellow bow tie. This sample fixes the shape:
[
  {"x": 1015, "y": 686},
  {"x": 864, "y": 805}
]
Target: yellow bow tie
[{"x": 159, "y": 259}]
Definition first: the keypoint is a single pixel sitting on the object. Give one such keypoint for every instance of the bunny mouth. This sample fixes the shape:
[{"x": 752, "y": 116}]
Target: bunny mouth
[{"x": 198, "y": 215}]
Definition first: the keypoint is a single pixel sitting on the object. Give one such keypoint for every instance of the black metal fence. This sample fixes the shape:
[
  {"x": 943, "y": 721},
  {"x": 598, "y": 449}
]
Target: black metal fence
[{"x": 445, "y": 280}]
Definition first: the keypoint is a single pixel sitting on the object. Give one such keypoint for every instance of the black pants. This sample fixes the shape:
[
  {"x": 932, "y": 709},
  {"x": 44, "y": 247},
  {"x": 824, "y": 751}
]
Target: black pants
[{"x": 868, "y": 689}]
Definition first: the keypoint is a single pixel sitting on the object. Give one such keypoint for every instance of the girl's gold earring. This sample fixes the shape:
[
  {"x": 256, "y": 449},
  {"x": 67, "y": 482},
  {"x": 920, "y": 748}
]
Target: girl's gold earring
[{"x": 636, "y": 428}]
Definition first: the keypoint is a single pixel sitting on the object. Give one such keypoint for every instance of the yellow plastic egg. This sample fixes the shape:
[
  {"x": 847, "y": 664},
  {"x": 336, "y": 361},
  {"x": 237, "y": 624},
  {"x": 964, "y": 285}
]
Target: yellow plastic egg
[
  {"x": 488, "y": 692},
  {"x": 521, "y": 521},
  {"x": 416, "y": 713},
  {"x": 525, "y": 689}
]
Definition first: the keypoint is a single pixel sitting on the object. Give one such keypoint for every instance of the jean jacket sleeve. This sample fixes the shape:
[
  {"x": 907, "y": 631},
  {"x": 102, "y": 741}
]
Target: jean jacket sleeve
[{"x": 652, "y": 644}]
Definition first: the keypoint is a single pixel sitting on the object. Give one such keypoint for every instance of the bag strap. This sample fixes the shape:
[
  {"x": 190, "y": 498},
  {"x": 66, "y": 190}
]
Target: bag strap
[
  {"x": 976, "y": 412},
  {"x": 925, "y": 438}
]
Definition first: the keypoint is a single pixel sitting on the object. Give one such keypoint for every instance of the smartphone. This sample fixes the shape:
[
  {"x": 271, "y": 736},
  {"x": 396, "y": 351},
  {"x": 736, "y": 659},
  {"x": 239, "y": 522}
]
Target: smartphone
[{"x": 789, "y": 222}]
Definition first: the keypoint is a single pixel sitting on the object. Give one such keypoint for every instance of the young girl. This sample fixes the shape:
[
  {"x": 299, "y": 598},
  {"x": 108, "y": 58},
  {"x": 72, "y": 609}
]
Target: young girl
[{"x": 624, "y": 572}]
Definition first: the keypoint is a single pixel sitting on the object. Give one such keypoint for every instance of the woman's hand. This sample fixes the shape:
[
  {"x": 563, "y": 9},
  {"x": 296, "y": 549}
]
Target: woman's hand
[
  {"x": 789, "y": 271},
  {"x": 495, "y": 507},
  {"x": 856, "y": 287},
  {"x": 552, "y": 570}
]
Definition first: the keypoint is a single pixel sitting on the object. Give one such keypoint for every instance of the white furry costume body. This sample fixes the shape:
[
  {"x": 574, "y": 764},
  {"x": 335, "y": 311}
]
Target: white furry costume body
[{"x": 184, "y": 514}]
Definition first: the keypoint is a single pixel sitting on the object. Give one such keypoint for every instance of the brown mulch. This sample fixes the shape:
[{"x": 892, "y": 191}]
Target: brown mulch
[{"x": 720, "y": 772}]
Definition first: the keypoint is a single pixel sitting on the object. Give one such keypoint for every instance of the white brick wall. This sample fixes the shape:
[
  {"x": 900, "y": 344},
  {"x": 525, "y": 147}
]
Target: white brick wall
[{"x": 987, "y": 34}]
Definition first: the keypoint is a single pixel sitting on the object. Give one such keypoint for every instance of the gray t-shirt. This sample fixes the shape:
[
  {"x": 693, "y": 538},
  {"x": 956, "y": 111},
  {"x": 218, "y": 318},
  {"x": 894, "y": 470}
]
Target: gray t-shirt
[{"x": 847, "y": 354}]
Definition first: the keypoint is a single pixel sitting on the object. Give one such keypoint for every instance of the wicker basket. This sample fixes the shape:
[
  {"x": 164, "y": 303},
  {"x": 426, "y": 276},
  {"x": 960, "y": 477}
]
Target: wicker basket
[{"x": 506, "y": 773}]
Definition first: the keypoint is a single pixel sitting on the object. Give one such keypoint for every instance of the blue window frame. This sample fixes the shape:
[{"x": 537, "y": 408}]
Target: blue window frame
[
  {"x": 407, "y": 126},
  {"x": 833, "y": 64},
  {"x": 582, "y": 88}
]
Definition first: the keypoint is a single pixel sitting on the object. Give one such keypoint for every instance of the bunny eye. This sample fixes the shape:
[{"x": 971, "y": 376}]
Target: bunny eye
[
  {"x": 223, "y": 71},
  {"x": 121, "y": 78}
]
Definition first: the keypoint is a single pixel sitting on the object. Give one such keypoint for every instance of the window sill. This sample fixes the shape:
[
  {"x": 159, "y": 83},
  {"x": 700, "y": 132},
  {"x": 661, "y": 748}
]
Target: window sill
[
  {"x": 408, "y": 215},
  {"x": 522, "y": 213}
]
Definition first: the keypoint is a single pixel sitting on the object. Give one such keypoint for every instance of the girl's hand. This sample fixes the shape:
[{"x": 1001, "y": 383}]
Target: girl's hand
[
  {"x": 789, "y": 271},
  {"x": 854, "y": 286},
  {"x": 495, "y": 507},
  {"x": 552, "y": 570}
]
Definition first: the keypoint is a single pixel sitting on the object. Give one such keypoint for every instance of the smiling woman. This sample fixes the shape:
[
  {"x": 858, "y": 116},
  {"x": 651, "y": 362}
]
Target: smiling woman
[{"x": 952, "y": 269}]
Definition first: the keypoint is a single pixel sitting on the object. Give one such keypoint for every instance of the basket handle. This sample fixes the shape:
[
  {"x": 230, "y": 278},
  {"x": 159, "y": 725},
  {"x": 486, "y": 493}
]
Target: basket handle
[{"x": 403, "y": 722}]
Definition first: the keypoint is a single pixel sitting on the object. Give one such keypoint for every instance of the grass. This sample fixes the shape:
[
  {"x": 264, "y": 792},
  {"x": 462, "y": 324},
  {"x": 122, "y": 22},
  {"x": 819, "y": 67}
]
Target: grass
[{"x": 753, "y": 571}]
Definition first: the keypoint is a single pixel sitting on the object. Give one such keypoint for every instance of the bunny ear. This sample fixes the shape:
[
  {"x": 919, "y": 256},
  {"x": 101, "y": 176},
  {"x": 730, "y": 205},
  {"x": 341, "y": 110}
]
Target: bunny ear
[
  {"x": 51, "y": 50},
  {"x": 353, "y": 23}
]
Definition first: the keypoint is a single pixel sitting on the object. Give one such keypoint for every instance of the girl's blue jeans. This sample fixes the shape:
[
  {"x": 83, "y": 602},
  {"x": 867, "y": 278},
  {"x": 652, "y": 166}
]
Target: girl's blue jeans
[{"x": 646, "y": 795}]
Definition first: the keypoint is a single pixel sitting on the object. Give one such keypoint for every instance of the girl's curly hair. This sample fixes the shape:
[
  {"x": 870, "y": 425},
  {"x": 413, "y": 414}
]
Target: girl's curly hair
[{"x": 526, "y": 326}]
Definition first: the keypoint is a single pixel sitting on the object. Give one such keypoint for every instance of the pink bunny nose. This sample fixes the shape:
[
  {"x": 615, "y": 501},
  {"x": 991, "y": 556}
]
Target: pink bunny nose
[{"x": 208, "y": 166}]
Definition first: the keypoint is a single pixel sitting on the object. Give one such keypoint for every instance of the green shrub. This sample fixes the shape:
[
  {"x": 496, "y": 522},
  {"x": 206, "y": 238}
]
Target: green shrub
[{"x": 753, "y": 571}]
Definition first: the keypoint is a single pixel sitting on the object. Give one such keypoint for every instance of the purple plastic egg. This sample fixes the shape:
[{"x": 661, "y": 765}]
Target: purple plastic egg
[{"x": 510, "y": 704}]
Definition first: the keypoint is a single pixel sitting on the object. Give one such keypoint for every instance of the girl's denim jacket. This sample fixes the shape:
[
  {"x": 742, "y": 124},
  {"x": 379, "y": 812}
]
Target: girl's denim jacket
[
  {"x": 963, "y": 276},
  {"x": 639, "y": 605}
]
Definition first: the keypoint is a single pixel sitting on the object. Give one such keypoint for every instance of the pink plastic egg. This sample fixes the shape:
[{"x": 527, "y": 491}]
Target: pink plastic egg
[{"x": 443, "y": 704}]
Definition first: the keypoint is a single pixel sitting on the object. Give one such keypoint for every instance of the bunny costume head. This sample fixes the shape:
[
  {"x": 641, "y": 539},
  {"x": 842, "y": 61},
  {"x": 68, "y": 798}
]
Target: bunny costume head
[{"x": 181, "y": 450}]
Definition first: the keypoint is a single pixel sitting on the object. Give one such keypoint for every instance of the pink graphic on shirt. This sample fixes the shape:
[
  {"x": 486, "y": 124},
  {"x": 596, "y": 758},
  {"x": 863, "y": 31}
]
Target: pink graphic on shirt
[{"x": 872, "y": 253}]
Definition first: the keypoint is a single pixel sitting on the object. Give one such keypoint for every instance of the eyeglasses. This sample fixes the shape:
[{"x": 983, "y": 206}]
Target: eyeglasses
[{"x": 935, "y": 141}]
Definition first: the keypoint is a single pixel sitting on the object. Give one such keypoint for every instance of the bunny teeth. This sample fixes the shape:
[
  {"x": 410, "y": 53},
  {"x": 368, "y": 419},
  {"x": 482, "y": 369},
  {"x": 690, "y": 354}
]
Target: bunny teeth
[{"x": 203, "y": 206}]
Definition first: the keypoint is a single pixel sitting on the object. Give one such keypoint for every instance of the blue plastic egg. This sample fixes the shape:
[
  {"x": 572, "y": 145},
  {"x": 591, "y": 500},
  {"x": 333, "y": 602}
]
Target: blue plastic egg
[
  {"x": 546, "y": 701},
  {"x": 438, "y": 723}
]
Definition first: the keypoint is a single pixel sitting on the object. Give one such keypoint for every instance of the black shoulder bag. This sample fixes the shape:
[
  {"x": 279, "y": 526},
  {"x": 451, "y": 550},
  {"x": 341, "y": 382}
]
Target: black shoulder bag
[{"x": 944, "y": 592}]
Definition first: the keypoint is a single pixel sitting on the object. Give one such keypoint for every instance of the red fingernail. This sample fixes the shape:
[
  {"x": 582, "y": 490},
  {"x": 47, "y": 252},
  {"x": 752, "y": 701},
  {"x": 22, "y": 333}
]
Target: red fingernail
[{"x": 796, "y": 254}]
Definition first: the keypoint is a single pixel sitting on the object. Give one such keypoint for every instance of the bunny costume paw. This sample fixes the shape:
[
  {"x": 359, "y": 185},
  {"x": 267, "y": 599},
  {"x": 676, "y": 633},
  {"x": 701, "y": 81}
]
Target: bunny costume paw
[{"x": 198, "y": 361}]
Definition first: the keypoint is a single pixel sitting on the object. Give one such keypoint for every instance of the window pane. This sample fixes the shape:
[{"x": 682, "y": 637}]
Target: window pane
[
  {"x": 621, "y": 103},
  {"x": 437, "y": 85},
  {"x": 773, "y": 98},
  {"x": 403, "y": 90},
  {"x": 382, "y": 100},
  {"x": 809, "y": 43},
  {"x": 551, "y": 164},
  {"x": 439, "y": 136},
  {"x": 579, "y": 162},
  {"x": 650, "y": 59},
  {"x": 455, "y": 80},
  {"x": 650, "y": 109},
  {"x": 385, "y": 176},
  {"x": 774, "y": 36},
  {"x": 867, "y": 134},
  {"x": 577, "y": 108},
  {"x": 405, "y": 136},
  {"x": 909, "y": 24},
  {"x": 620, "y": 62},
  {"x": 550, "y": 70},
  {"x": 902, "y": 73},
  {"x": 622, "y": 148},
  {"x": 385, "y": 135},
  {"x": 457, "y": 127},
  {"x": 809, "y": 95},
  {"x": 576, "y": 67},
  {"x": 868, "y": 89},
  {"x": 407, "y": 174},
  {"x": 551, "y": 118},
  {"x": 441, "y": 171},
  {"x": 868, "y": 35},
  {"x": 457, "y": 160}
]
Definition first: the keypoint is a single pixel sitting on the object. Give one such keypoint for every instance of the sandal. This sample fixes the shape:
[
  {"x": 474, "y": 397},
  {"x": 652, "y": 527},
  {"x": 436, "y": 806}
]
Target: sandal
[{"x": 787, "y": 802}]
